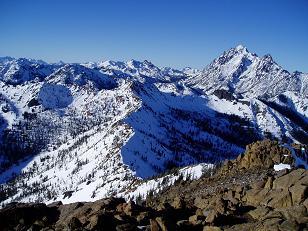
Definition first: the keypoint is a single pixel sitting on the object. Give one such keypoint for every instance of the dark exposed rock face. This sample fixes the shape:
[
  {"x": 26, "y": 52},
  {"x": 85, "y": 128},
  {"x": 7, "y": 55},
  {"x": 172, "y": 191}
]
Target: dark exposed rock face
[
  {"x": 33, "y": 102},
  {"x": 244, "y": 194},
  {"x": 224, "y": 94},
  {"x": 20, "y": 216}
]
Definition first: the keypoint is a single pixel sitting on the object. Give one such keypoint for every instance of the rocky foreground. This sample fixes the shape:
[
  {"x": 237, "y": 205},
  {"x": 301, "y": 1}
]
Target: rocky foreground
[{"x": 243, "y": 194}]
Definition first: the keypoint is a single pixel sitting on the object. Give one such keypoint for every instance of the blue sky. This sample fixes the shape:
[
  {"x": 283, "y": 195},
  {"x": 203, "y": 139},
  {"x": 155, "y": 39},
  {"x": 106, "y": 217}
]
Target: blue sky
[{"x": 168, "y": 32}]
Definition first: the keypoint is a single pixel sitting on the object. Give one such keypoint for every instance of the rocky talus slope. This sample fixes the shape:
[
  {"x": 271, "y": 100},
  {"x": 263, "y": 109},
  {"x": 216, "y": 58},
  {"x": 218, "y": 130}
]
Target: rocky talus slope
[{"x": 243, "y": 194}]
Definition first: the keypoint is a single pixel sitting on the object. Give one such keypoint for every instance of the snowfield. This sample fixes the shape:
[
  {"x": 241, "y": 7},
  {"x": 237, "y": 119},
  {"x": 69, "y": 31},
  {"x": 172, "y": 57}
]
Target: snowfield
[{"x": 80, "y": 132}]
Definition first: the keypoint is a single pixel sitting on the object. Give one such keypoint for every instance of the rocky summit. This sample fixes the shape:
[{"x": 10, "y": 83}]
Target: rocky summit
[{"x": 243, "y": 194}]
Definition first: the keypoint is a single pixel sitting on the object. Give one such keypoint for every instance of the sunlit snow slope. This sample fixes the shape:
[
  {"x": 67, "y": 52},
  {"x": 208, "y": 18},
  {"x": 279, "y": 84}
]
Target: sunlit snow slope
[{"x": 76, "y": 132}]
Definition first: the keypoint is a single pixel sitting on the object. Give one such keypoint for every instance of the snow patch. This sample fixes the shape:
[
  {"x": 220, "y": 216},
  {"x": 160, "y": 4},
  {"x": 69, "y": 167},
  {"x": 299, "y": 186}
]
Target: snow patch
[{"x": 281, "y": 166}]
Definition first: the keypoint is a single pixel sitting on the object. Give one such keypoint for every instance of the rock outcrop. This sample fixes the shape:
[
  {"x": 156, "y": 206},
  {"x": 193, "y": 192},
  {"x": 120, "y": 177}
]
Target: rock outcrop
[{"x": 260, "y": 155}]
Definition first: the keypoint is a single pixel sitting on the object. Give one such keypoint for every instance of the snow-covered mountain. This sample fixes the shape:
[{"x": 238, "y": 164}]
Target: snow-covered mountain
[
  {"x": 244, "y": 73},
  {"x": 76, "y": 132}
]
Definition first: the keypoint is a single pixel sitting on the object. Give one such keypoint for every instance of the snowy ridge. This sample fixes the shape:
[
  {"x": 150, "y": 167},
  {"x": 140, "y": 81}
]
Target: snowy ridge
[
  {"x": 142, "y": 190},
  {"x": 17, "y": 71},
  {"x": 74, "y": 132}
]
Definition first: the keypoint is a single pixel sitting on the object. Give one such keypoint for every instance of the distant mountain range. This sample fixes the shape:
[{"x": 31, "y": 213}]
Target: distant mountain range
[{"x": 75, "y": 132}]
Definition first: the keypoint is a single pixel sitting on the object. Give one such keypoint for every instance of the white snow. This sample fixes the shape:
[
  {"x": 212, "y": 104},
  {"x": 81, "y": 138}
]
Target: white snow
[
  {"x": 281, "y": 166},
  {"x": 158, "y": 184},
  {"x": 110, "y": 125}
]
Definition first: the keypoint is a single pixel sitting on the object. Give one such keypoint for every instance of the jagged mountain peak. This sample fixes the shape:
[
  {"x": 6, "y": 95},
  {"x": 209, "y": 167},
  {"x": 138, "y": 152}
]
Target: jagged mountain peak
[
  {"x": 268, "y": 58},
  {"x": 80, "y": 75},
  {"x": 111, "y": 65},
  {"x": 243, "y": 72},
  {"x": 59, "y": 63},
  {"x": 132, "y": 64},
  {"x": 17, "y": 71},
  {"x": 137, "y": 70},
  {"x": 231, "y": 60},
  {"x": 142, "y": 65},
  {"x": 147, "y": 62},
  {"x": 297, "y": 72},
  {"x": 238, "y": 50},
  {"x": 6, "y": 59},
  {"x": 137, "y": 64},
  {"x": 32, "y": 61},
  {"x": 241, "y": 47},
  {"x": 22, "y": 60},
  {"x": 71, "y": 68}
]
